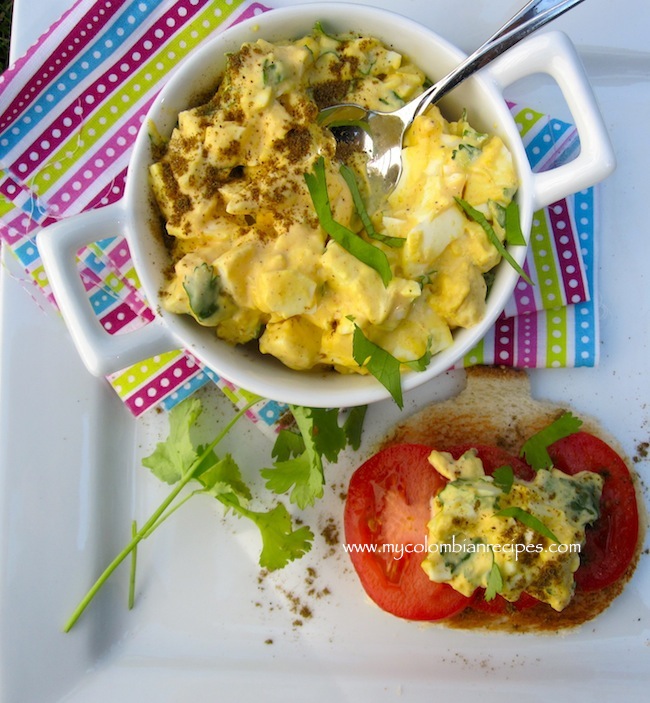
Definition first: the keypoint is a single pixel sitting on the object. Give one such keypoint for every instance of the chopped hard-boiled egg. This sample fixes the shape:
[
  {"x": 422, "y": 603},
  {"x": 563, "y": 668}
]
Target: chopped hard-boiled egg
[
  {"x": 231, "y": 187},
  {"x": 530, "y": 532}
]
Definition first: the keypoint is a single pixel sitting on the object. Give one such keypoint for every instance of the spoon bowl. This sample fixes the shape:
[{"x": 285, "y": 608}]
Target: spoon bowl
[{"x": 379, "y": 135}]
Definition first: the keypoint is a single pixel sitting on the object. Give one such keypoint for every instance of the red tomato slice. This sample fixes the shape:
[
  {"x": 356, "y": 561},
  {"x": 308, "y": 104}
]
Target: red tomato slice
[
  {"x": 611, "y": 542},
  {"x": 387, "y": 509}
]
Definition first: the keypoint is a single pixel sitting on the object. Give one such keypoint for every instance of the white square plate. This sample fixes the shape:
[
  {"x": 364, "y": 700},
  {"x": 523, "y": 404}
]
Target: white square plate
[{"x": 205, "y": 625}]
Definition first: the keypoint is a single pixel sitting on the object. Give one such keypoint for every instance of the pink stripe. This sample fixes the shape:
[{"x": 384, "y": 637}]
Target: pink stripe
[
  {"x": 82, "y": 34},
  {"x": 118, "y": 318},
  {"x": 504, "y": 341},
  {"x": 165, "y": 382},
  {"x": 526, "y": 328},
  {"x": 10, "y": 188},
  {"x": 91, "y": 172},
  {"x": 254, "y": 9},
  {"x": 9, "y": 234},
  {"x": 111, "y": 193},
  {"x": 524, "y": 294},
  {"x": 119, "y": 258},
  {"x": 569, "y": 258},
  {"x": 70, "y": 120},
  {"x": 15, "y": 71},
  {"x": 18, "y": 228}
]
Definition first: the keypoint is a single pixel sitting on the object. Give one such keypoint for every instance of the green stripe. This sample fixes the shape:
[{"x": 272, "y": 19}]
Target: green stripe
[
  {"x": 526, "y": 120},
  {"x": 556, "y": 338},
  {"x": 103, "y": 121},
  {"x": 542, "y": 247},
  {"x": 475, "y": 355},
  {"x": 140, "y": 373},
  {"x": 6, "y": 205}
]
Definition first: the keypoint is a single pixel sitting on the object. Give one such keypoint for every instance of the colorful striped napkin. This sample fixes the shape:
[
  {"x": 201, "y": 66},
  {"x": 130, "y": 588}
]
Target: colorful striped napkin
[{"x": 69, "y": 112}]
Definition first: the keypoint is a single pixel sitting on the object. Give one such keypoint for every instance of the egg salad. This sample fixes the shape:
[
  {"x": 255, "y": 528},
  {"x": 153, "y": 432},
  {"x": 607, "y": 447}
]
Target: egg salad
[
  {"x": 250, "y": 255},
  {"x": 526, "y": 535}
]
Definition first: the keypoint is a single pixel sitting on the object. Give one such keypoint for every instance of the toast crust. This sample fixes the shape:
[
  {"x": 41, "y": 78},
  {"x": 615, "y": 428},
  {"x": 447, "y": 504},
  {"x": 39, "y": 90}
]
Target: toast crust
[{"x": 496, "y": 407}]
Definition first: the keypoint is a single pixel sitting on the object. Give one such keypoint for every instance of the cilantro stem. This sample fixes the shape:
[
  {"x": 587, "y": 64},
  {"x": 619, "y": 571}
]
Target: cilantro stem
[
  {"x": 134, "y": 558},
  {"x": 146, "y": 529},
  {"x": 171, "y": 511}
]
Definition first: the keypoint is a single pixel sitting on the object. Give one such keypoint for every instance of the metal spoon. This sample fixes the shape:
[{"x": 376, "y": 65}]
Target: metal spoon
[{"x": 380, "y": 134}]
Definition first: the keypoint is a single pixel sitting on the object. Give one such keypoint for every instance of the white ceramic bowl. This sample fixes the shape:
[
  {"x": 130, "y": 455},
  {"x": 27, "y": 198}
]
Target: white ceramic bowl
[{"x": 551, "y": 53}]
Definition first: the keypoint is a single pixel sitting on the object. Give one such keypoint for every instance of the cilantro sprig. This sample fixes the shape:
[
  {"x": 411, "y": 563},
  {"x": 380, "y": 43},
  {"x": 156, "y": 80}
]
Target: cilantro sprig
[
  {"x": 362, "y": 250},
  {"x": 299, "y": 468},
  {"x": 179, "y": 461}
]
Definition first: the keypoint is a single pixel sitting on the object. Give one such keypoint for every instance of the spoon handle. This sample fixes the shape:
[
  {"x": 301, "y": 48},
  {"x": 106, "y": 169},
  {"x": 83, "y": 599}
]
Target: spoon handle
[{"x": 530, "y": 18}]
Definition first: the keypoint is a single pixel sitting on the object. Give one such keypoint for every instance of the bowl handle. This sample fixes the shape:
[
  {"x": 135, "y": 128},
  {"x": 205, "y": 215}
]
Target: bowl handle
[
  {"x": 554, "y": 54},
  {"x": 101, "y": 352}
]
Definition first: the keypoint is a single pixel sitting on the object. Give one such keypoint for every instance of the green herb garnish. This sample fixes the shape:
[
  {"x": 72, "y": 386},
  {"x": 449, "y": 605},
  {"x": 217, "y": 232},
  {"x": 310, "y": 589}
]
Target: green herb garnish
[
  {"x": 514, "y": 235},
  {"x": 179, "y": 462},
  {"x": 504, "y": 478},
  {"x": 272, "y": 73},
  {"x": 529, "y": 520},
  {"x": 535, "y": 449},
  {"x": 383, "y": 365},
  {"x": 468, "y": 150},
  {"x": 494, "y": 581},
  {"x": 349, "y": 240},
  {"x": 348, "y": 175},
  {"x": 299, "y": 468},
  {"x": 203, "y": 289},
  {"x": 480, "y": 219}
]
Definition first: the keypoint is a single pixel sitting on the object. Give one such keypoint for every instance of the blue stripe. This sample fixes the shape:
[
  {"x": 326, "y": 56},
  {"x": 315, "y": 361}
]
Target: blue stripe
[
  {"x": 118, "y": 32},
  {"x": 27, "y": 252},
  {"x": 190, "y": 386},
  {"x": 586, "y": 324},
  {"x": 93, "y": 263},
  {"x": 541, "y": 143},
  {"x": 271, "y": 412},
  {"x": 102, "y": 300}
]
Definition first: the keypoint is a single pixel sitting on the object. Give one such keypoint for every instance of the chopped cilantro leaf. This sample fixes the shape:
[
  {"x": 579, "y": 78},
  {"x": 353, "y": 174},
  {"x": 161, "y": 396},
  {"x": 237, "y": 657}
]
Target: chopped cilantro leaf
[
  {"x": 203, "y": 289},
  {"x": 478, "y": 217},
  {"x": 383, "y": 365},
  {"x": 380, "y": 363},
  {"x": 535, "y": 449},
  {"x": 525, "y": 518},
  {"x": 514, "y": 235},
  {"x": 349, "y": 240},
  {"x": 494, "y": 581},
  {"x": 503, "y": 478},
  {"x": 360, "y": 207}
]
